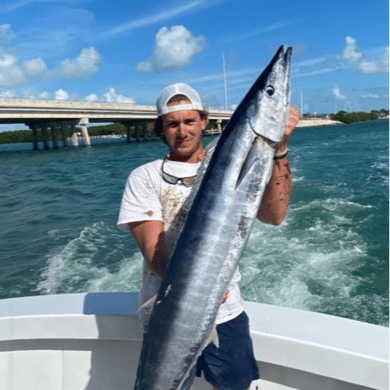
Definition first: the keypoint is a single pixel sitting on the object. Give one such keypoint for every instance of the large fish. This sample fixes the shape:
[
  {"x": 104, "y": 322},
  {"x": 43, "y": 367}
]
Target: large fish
[{"x": 216, "y": 231}]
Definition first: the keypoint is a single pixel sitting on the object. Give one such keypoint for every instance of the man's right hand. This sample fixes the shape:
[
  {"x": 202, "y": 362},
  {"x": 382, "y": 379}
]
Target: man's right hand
[{"x": 225, "y": 296}]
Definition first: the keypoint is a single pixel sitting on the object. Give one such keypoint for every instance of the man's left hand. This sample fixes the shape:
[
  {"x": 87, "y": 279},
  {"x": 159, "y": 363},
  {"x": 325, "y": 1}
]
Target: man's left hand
[{"x": 292, "y": 123}]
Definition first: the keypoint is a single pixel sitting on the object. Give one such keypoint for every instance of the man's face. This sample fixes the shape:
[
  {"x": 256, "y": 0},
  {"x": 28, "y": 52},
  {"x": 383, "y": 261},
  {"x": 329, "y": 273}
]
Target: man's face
[{"x": 183, "y": 133}]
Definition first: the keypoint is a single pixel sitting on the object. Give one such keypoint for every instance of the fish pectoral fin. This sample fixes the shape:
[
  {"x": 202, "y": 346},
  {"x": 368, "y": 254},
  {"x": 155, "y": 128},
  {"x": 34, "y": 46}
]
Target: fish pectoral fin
[
  {"x": 252, "y": 157},
  {"x": 147, "y": 306}
]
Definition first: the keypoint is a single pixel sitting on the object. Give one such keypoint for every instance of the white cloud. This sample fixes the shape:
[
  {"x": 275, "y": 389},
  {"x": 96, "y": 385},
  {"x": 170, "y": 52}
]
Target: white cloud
[
  {"x": 162, "y": 15},
  {"x": 14, "y": 5},
  {"x": 7, "y": 61},
  {"x": 82, "y": 66},
  {"x": 7, "y": 93},
  {"x": 337, "y": 93},
  {"x": 44, "y": 95},
  {"x": 60, "y": 94},
  {"x": 112, "y": 97},
  {"x": 6, "y": 33},
  {"x": 92, "y": 98},
  {"x": 354, "y": 57},
  {"x": 370, "y": 96},
  {"x": 380, "y": 65},
  {"x": 35, "y": 68},
  {"x": 258, "y": 31},
  {"x": 350, "y": 52},
  {"x": 174, "y": 48}
]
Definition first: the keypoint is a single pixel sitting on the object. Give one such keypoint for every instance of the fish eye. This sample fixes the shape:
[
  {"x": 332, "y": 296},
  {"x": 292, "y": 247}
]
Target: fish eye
[{"x": 270, "y": 90}]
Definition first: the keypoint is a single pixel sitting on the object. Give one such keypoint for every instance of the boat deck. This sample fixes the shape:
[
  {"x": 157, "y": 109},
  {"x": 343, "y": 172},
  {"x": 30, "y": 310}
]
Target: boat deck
[{"x": 92, "y": 341}]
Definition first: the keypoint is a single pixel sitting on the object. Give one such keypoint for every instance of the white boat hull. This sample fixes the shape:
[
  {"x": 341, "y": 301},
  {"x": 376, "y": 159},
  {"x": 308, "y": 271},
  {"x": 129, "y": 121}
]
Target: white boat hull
[{"x": 92, "y": 341}]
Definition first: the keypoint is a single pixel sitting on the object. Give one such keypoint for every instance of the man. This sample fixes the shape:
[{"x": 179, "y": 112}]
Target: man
[{"x": 151, "y": 210}]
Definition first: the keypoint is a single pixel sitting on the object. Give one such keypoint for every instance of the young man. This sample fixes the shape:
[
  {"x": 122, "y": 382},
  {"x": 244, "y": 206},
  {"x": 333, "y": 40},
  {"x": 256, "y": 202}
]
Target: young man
[{"x": 151, "y": 210}]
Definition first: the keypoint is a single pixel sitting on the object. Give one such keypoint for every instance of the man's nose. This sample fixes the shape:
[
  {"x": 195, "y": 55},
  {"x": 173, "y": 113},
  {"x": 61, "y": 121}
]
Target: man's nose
[{"x": 182, "y": 131}]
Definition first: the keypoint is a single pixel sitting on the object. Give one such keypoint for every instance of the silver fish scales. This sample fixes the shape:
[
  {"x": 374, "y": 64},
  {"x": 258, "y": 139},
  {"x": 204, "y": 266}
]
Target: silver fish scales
[{"x": 216, "y": 231}]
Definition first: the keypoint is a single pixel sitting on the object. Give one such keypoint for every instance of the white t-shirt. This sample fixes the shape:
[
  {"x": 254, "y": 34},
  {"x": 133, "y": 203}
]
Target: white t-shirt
[{"x": 148, "y": 197}]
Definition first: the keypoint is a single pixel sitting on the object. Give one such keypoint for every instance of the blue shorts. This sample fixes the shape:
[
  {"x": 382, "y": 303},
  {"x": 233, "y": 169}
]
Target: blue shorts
[{"x": 232, "y": 366}]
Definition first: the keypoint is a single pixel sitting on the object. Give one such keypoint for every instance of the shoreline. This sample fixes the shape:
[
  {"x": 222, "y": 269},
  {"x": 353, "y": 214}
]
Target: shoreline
[{"x": 315, "y": 122}]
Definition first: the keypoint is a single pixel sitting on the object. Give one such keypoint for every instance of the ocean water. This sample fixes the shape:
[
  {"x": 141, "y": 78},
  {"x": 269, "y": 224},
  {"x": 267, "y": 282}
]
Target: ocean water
[{"x": 58, "y": 212}]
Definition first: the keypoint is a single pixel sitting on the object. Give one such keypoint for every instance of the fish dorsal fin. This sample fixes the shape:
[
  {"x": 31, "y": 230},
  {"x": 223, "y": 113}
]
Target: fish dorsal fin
[{"x": 251, "y": 158}]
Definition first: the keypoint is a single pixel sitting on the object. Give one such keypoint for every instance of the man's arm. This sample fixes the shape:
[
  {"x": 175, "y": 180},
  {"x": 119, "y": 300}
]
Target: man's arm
[
  {"x": 150, "y": 238},
  {"x": 273, "y": 207}
]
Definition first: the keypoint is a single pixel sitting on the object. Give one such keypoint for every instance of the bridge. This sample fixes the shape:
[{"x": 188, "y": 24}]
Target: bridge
[{"x": 47, "y": 114}]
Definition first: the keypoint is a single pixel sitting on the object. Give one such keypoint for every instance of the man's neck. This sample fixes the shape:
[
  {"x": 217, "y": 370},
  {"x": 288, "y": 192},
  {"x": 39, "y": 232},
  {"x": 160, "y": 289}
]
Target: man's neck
[{"x": 193, "y": 159}]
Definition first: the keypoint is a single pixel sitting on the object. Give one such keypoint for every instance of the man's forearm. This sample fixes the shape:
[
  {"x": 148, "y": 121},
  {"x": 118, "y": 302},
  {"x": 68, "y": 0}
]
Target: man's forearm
[
  {"x": 150, "y": 238},
  {"x": 273, "y": 207}
]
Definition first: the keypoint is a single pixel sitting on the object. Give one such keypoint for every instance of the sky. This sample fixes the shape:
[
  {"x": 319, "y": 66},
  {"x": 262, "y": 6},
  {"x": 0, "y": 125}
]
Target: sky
[{"x": 126, "y": 51}]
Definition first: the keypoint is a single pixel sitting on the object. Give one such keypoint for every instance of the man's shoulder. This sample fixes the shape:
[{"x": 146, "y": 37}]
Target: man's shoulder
[{"x": 150, "y": 168}]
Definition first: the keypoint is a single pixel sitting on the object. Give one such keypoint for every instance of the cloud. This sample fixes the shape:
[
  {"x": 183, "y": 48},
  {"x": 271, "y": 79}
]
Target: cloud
[
  {"x": 174, "y": 48},
  {"x": 92, "y": 98},
  {"x": 35, "y": 68},
  {"x": 7, "y": 60},
  {"x": 12, "y": 6},
  {"x": 352, "y": 56},
  {"x": 82, "y": 66},
  {"x": 6, "y": 33},
  {"x": 112, "y": 97},
  {"x": 162, "y": 15},
  {"x": 272, "y": 27},
  {"x": 372, "y": 92},
  {"x": 60, "y": 94},
  {"x": 26, "y": 94},
  {"x": 7, "y": 93},
  {"x": 337, "y": 93},
  {"x": 370, "y": 96},
  {"x": 350, "y": 52},
  {"x": 44, "y": 95}
]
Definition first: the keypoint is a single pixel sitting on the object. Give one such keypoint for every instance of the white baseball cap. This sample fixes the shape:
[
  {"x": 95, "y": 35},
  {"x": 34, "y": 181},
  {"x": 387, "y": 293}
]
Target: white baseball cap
[{"x": 178, "y": 89}]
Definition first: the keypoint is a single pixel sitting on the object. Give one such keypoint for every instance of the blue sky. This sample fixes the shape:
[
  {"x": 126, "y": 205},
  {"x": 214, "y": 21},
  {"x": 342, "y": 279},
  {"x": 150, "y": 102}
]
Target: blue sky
[{"x": 127, "y": 51}]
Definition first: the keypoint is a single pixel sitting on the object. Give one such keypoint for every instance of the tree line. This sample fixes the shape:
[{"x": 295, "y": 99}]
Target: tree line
[{"x": 353, "y": 117}]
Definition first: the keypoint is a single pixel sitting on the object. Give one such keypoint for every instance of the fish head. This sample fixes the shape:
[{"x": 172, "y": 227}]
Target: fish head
[{"x": 268, "y": 99}]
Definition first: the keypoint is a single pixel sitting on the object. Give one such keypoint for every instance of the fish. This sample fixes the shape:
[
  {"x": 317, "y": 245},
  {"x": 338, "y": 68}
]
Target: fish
[{"x": 216, "y": 231}]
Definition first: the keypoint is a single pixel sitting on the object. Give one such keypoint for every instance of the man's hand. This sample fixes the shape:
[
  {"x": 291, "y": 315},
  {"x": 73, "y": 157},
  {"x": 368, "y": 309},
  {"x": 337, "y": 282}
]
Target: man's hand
[
  {"x": 225, "y": 296},
  {"x": 292, "y": 122},
  {"x": 274, "y": 204}
]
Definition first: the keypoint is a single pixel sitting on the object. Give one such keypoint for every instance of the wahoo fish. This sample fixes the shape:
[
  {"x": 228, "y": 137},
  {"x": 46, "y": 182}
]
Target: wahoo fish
[{"x": 215, "y": 232}]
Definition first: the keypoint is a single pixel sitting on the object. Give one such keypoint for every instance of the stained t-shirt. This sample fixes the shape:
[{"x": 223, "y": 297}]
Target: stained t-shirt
[{"x": 148, "y": 197}]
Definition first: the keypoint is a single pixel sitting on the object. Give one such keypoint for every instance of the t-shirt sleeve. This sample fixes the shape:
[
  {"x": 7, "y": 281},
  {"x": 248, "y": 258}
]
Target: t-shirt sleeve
[{"x": 140, "y": 200}]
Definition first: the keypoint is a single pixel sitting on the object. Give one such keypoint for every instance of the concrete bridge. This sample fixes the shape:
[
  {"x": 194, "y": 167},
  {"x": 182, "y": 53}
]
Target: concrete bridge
[{"x": 47, "y": 114}]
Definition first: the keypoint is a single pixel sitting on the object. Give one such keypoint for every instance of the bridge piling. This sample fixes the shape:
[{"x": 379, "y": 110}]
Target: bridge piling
[
  {"x": 145, "y": 126},
  {"x": 64, "y": 139},
  {"x": 33, "y": 128},
  {"x": 53, "y": 135},
  {"x": 75, "y": 138},
  {"x": 136, "y": 132},
  {"x": 84, "y": 131},
  {"x": 44, "y": 128},
  {"x": 219, "y": 127},
  {"x": 128, "y": 126}
]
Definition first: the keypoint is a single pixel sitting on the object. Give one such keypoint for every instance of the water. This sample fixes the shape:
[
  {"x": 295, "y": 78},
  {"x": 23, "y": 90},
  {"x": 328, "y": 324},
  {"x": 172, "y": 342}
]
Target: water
[{"x": 58, "y": 212}]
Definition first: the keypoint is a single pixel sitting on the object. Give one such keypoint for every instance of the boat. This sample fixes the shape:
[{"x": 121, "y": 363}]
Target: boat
[{"x": 92, "y": 341}]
